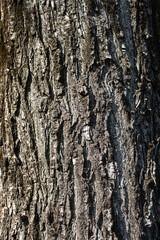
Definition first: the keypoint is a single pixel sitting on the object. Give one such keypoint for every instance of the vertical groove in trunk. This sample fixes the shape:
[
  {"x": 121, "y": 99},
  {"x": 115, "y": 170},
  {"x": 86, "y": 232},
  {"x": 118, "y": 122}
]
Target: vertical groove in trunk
[{"x": 79, "y": 114}]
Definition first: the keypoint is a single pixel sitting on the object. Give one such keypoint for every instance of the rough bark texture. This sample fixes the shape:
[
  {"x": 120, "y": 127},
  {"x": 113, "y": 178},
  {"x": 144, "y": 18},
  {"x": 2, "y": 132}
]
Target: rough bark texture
[{"x": 80, "y": 119}]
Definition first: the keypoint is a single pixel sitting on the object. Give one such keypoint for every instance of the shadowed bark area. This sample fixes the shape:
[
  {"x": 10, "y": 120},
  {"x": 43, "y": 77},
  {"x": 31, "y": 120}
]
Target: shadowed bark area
[{"x": 79, "y": 114}]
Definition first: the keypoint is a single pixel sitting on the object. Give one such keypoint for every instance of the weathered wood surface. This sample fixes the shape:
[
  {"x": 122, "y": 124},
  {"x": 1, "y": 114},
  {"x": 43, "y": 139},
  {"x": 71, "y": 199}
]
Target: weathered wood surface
[{"x": 80, "y": 119}]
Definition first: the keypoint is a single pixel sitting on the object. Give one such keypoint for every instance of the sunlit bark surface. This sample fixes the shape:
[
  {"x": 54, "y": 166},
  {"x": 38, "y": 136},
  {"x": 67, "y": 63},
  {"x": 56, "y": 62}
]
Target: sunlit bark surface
[{"x": 80, "y": 120}]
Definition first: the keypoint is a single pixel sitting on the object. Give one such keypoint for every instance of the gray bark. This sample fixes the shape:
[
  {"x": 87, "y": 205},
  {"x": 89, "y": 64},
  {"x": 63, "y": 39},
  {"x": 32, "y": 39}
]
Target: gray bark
[{"x": 79, "y": 113}]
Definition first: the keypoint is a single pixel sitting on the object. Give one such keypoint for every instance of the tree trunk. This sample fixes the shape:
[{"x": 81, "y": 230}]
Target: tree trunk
[{"x": 80, "y": 119}]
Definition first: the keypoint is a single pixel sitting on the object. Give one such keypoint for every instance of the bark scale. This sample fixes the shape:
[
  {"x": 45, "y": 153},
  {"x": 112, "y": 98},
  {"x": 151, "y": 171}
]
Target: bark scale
[{"x": 79, "y": 103}]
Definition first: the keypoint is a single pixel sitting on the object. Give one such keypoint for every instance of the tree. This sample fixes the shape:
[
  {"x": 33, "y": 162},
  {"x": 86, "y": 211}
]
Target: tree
[{"x": 80, "y": 114}]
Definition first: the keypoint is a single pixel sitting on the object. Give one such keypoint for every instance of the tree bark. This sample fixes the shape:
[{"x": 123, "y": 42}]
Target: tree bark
[{"x": 80, "y": 114}]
